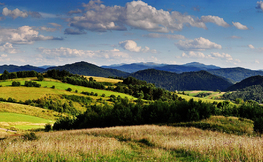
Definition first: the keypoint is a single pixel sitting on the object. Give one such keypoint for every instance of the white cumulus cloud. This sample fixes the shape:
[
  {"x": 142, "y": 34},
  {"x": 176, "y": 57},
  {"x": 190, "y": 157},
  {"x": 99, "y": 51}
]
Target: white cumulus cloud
[
  {"x": 221, "y": 56},
  {"x": 136, "y": 14},
  {"x": 238, "y": 25},
  {"x": 132, "y": 46},
  {"x": 8, "y": 48},
  {"x": 259, "y": 5},
  {"x": 198, "y": 44},
  {"x": 215, "y": 19},
  {"x": 64, "y": 52},
  {"x": 194, "y": 54},
  {"x": 251, "y": 46},
  {"x": 18, "y": 13},
  {"x": 22, "y": 35}
]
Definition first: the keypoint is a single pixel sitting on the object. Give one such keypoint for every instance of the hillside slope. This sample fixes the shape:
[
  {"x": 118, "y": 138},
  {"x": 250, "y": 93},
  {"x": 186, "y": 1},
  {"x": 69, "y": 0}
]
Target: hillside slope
[
  {"x": 84, "y": 68},
  {"x": 236, "y": 74},
  {"x": 201, "y": 80},
  {"x": 251, "y": 81}
]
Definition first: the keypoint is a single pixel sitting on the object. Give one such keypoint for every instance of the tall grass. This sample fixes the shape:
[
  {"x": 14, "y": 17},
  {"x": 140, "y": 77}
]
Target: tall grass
[{"x": 133, "y": 143}]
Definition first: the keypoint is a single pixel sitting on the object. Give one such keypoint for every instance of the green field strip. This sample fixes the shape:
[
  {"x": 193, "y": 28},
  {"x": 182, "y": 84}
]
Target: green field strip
[{"x": 14, "y": 117}]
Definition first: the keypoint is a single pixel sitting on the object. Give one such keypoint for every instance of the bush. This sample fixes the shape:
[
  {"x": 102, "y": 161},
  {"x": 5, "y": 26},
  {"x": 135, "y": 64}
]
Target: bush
[
  {"x": 30, "y": 136},
  {"x": 48, "y": 127},
  {"x": 14, "y": 83},
  {"x": 53, "y": 87},
  {"x": 103, "y": 95},
  {"x": 40, "y": 77},
  {"x": 69, "y": 89},
  {"x": 32, "y": 84}
]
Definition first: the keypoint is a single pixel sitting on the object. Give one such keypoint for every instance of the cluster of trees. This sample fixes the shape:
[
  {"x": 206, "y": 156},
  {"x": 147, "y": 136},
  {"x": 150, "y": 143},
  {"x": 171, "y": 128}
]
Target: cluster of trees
[
  {"x": 127, "y": 113},
  {"x": 32, "y": 84},
  {"x": 203, "y": 94},
  {"x": 27, "y": 84},
  {"x": 20, "y": 74}
]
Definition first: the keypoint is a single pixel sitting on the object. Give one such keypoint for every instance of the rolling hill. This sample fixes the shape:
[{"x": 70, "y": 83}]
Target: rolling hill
[
  {"x": 201, "y": 80},
  {"x": 236, "y": 74},
  {"x": 251, "y": 81},
  {"x": 84, "y": 68}
]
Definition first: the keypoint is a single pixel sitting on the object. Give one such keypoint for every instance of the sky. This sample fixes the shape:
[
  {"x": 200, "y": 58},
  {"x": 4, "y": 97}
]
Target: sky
[{"x": 44, "y": 32}]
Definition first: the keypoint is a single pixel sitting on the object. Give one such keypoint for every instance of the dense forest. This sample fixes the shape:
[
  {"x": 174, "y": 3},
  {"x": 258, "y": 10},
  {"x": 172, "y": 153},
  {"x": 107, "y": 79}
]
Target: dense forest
[
  {"x": 235, "y": 74},
  {"x": 201, "y": 80}
]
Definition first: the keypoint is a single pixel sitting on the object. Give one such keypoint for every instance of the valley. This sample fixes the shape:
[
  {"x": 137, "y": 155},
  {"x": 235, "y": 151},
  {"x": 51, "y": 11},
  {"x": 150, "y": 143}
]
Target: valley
[{"x": 70, "y": 117}]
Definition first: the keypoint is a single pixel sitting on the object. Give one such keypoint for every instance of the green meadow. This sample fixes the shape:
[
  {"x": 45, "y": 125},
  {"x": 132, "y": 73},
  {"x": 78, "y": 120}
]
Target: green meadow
[
  {"x": 24, "y": 93},
  {"x": 21, "y": 121}
]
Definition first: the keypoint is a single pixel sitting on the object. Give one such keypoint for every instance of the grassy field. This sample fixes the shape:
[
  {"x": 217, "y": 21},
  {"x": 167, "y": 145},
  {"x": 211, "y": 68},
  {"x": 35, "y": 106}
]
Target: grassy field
[
  {"x": 102, "y": 79},
  {"x": 186, "y": 97},
  {"x": 24, "y": 93},
  {"x": 133, "y": 143},
  {"x": 213, "y": 94},
  {"x": 22, "y": 121},
  {"x": 28, "y": 110},
  {"x": 231, "y": 125}
]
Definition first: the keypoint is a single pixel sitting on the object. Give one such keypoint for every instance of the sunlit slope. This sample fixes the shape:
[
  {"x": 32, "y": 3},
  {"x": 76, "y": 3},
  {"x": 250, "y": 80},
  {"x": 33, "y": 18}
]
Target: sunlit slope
[
  {"x": 24, "y": 93},
  {"x": 21, "y": 121}
]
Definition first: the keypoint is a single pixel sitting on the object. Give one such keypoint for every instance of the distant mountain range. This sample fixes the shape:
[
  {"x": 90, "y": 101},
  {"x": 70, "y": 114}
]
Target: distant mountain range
[
  {"x": 14, "y": 68},
  {"x": 131, "y": 68},
  {"x": 191, "y": 76}
]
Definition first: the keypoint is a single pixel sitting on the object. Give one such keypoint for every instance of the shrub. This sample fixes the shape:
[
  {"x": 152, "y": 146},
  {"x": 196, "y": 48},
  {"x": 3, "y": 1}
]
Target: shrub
[
  {"x": 40, "y": 77},
  {"x": 53, "y": 87},
  {"x": 69, "y": 89},
  {"x": 30, "y": 136},
  {"x": 103, "y": 95},
  {"x": 14, "y": 83},
  {"x": 48, "y": 127}
]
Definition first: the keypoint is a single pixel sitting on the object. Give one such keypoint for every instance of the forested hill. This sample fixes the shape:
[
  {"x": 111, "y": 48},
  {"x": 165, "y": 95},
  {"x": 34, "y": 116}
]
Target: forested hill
[
  {"x": 251, "y": 81},
  {"x": 84, "y": 68},
  {"x": 14, "y": 68},
  {"x": 236, "y": 74},
  {"x": 201, "y": 80}
]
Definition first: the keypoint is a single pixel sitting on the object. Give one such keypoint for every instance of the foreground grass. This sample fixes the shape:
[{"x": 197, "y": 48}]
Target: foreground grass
[
  {"x": 133, "y": 143},
  {"x": 231, "y": 125}
]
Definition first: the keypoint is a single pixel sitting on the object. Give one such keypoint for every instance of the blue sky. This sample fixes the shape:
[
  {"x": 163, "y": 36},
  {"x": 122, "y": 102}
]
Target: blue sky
[{"x": 224, "y": 33}]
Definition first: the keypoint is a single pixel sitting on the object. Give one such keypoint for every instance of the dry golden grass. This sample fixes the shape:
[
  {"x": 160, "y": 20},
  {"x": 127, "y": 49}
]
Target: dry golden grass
[
  {"x": 102, "y": 79},
  {"x": 135, "y": 143},
  {"x": 213, "y": 145}
]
